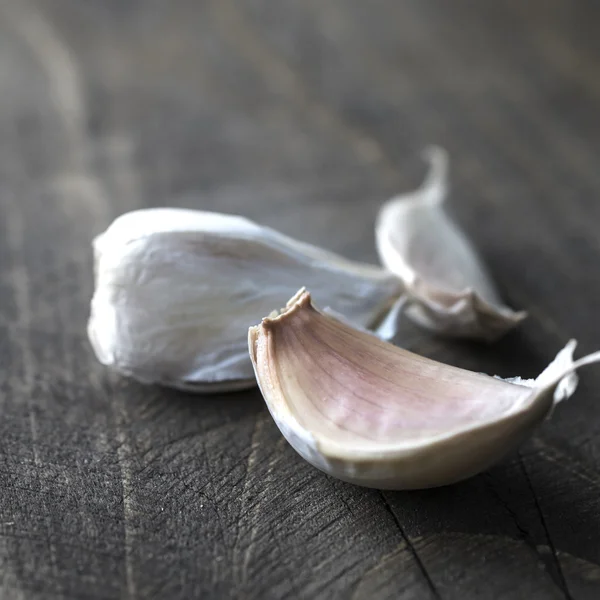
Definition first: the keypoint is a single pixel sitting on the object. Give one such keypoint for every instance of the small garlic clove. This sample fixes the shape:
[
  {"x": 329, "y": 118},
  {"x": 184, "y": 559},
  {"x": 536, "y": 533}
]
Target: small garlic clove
[
  {"x": 176, "y": 291},
  {"x": 373, "y": 414},
  {"x": 449, "y": 289}
]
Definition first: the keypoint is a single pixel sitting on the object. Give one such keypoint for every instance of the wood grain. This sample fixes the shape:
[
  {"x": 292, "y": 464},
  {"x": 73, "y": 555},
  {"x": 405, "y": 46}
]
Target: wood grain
[{"x": 304, "y": 116}]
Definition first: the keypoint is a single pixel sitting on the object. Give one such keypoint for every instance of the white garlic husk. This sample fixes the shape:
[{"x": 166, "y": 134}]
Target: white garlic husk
[
  {"x": 177, "y": 289},
  {"x": 375, "y": 415},
  {"x": 448, "y": 288}
]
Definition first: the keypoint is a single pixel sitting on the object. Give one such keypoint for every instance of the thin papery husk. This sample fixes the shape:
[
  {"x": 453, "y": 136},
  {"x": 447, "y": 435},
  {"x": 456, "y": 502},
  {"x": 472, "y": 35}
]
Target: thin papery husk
[
  {"x": 176, "y": 291},
  {"x": 373, "y": 414},
  {"x": 449, "y": 289}
]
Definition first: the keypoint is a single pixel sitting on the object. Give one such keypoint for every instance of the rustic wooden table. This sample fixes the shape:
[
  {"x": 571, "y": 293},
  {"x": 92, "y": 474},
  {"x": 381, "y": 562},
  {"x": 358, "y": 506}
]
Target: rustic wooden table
[{"x": 305, "y": 116}]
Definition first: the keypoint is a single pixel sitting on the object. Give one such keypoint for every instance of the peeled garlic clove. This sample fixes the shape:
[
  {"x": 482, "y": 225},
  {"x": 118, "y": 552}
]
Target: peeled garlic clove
[
  {"x": 176, "y": 291},
  {"x": 370, "y": 413},
  {"x": 449, "y": 289}
]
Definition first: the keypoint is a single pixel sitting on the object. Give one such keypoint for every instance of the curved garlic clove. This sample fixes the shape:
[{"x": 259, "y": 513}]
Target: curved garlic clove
[
  {"x": 370, "y": 413},
  {"x": 449, "y": 289},
  {"x": 176, "y": 291}
]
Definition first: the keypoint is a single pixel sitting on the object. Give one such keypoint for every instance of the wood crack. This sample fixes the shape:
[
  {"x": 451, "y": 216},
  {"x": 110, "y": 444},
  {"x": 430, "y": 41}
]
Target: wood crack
[
  {"x": 411, "y": 548},
  {"x": 524, "y": 534},
  {"x": 554, "y": 567}
]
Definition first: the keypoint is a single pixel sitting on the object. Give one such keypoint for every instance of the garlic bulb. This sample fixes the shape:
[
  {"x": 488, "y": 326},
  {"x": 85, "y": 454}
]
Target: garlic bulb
[
  {"x": 448, "y": 288},
  {"x": 176, "y": 291},
  {"x": 370, "y": 413}
]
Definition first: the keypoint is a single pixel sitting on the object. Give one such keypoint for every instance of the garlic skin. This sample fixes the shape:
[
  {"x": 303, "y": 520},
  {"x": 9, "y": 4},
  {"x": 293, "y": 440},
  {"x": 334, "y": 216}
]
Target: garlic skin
[
  {"x": 375, "y": 415},
  {"x": 448, "y": 287},
  {"x": 177, "y": 289}
]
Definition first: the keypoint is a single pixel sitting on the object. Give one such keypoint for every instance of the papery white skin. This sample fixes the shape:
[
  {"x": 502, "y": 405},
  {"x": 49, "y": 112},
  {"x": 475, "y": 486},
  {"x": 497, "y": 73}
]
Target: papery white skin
[
  {"x": 448, "y": 288},
  {"x": 177, "y": 289},
  {"x": 375, "y": 415}
]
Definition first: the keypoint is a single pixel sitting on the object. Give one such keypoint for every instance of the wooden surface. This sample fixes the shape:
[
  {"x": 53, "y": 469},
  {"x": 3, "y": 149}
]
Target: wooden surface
[{"x": 305, "y": 116}]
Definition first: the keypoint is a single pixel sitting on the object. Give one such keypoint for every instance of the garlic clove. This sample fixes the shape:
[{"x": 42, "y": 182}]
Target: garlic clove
[
  {"x": 373, "y": 414},
  {"x": 449, "y": 289},
  {"x": 176, "y": 291}
]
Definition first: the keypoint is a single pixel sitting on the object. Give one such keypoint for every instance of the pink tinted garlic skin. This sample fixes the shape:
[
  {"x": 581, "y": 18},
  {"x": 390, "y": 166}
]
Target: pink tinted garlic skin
[
  {"x": 372, "y": 414},
  {"x": 448, "y": 288}
]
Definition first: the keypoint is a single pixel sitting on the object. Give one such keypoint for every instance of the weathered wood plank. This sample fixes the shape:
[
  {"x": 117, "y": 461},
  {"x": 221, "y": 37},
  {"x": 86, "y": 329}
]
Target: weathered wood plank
[{"x": 304, "y": 116}]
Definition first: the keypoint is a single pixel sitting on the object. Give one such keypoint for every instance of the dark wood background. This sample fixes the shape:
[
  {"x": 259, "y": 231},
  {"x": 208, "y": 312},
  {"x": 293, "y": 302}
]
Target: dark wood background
[{"x": 305, "y": 116}]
